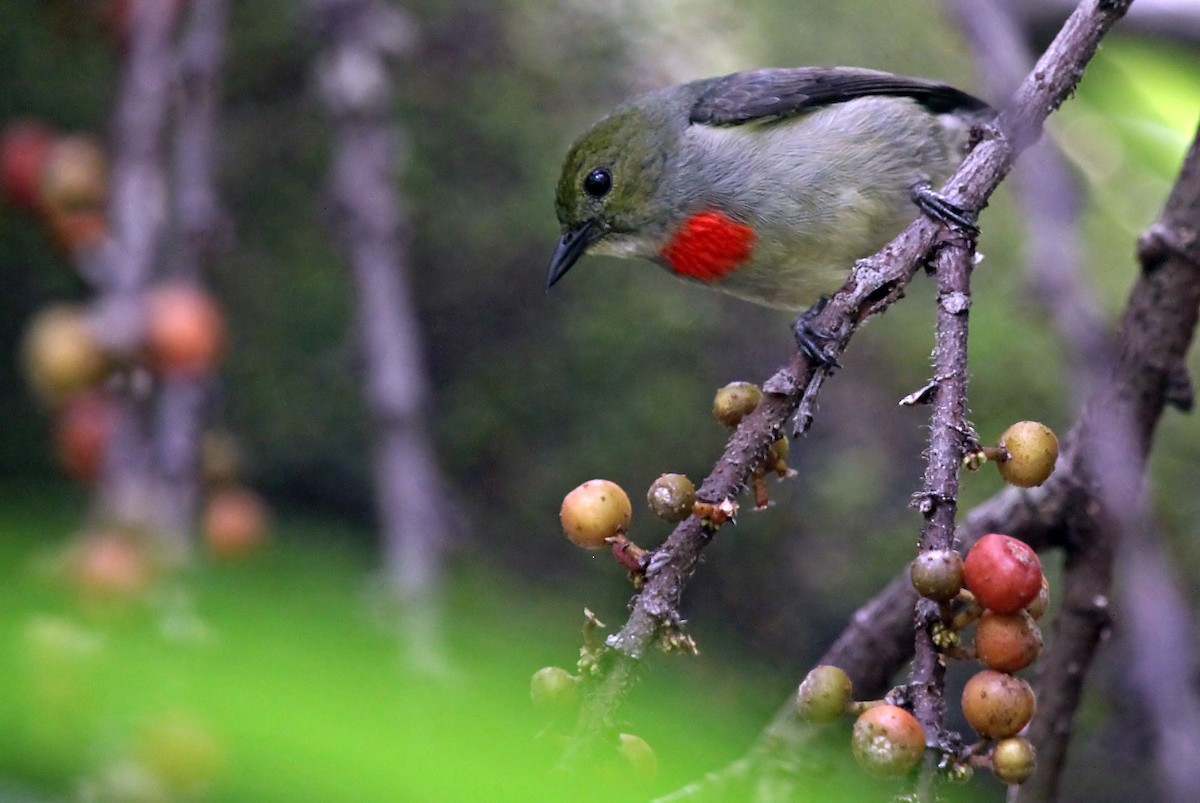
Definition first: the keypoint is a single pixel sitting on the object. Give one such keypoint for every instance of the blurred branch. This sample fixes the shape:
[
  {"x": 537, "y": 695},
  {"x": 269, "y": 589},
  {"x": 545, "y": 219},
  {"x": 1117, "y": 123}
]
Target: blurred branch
[
  {"x": 1046, "y": 196},
  {"x": 137, "y": 216},
  {"x": 201, "y": 231},
  {"x": 361, "y": 36},
  {"x": 1118, "y": 427},
  {"x": 1176, "y": 20},
  {"x": 875, "y": 284}
]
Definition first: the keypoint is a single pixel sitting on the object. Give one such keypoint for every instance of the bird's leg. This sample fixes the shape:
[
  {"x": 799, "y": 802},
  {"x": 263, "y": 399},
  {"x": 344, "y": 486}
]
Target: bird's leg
[
  {"x": 811, "y": 340},
  {"x": 942, "y": 209}
]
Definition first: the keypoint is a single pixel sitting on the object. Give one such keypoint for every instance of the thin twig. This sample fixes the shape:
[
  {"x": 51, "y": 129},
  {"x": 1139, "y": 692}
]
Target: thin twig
[{"x": 938, "y": 501}]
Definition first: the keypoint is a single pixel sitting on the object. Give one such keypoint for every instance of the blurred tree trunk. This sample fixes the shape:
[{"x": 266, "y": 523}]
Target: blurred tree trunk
[
  {"x": 360, "y": 37},
  {"x": 199, "y": 234},
  {"x": 128, "y": 492}
]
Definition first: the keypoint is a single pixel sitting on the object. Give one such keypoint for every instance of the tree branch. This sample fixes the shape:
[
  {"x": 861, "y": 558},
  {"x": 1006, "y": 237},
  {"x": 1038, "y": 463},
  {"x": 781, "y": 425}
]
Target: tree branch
[
  {"x": 137, "y": 211},
  {"x": 200, "y": 232},
  {"x": 361, "y": 37},
  {"x": 938, "y": 501}
]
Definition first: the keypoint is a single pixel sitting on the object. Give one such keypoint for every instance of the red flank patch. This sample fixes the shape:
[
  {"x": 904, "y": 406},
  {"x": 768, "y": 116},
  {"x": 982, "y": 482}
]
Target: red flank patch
[{"x": 708, "y": 246}]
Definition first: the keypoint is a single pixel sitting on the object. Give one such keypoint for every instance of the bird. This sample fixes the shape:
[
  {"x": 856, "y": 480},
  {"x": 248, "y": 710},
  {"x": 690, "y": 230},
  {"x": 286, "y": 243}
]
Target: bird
[{"x": 766, "y": 184}]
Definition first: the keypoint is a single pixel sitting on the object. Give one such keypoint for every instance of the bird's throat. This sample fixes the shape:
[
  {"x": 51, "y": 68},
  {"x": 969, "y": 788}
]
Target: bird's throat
[{"x": 708, "y": 246}]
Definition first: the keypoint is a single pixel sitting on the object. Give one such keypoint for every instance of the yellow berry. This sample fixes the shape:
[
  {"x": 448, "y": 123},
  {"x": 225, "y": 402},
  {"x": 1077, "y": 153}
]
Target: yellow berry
[
  {"x": 553, "y": 690},
  {"x": 1032, "y": 452},
  {"x": 639, "y": 755},
  {"x": 1014, "y": 760},
  {"x": 595, "y": 511},
  {"x": 735, "y": 401}
]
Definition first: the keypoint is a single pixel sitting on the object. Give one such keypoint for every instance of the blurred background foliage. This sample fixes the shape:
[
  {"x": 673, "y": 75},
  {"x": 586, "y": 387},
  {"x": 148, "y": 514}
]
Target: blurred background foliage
[{"x": 612, "y": 374}]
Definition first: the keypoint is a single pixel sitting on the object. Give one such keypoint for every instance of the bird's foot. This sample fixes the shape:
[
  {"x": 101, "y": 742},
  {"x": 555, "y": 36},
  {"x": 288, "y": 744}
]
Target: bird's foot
[
  {"x": 811, "y": 340},
  {"x": 941, "y": 208}
]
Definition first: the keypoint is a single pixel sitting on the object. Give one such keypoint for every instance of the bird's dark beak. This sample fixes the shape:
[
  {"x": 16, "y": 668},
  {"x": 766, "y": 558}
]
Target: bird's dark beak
[{"x": 570, "y": 248}]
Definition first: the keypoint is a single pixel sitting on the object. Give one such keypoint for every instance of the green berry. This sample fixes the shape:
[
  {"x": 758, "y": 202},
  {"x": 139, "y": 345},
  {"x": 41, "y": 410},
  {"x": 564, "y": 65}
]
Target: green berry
[
  {"x": 671, "y": 497},
  {"x": 735, "y": 401},
  {"x": 824, "y": 694}
]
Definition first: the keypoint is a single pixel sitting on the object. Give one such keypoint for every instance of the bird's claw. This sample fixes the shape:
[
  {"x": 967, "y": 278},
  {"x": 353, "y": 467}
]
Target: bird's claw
[
  {"x": 811, "y": 340},
  {"x": 942, "y": 209}
]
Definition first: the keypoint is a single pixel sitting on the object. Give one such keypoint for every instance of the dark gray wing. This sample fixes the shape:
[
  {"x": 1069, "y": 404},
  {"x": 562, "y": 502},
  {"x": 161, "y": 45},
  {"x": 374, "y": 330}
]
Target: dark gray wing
[{"x": 775, "y": 93}]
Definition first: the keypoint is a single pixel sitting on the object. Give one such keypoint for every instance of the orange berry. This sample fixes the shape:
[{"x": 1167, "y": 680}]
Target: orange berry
[{"x": 888, "y": 741}]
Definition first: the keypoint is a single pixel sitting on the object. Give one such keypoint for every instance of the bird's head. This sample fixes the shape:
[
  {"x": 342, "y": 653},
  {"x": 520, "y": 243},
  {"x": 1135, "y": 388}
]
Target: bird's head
[{"x": 606, "y": 193}]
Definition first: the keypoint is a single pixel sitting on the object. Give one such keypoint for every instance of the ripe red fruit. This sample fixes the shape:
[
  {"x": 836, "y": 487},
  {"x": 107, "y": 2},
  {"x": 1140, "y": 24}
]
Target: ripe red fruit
[
  {"x": 595, "y": 511},
  {"x": 888, "y": 741},
  {"x": 997, "y": 705},
  {"x": 185, "y": 331},
  {"x": 236, "y": 521},
  {"x": 83, "y": 431},
  {"x": 1007, "y": 642},
  {"x": 24, "y": 146},
  {"x": 1003, "y": 573}
]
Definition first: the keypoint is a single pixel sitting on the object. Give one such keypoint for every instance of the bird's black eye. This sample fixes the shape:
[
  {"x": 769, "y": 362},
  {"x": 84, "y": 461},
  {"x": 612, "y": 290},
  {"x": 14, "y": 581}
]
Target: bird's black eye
[{"x": 598, "y": 182}]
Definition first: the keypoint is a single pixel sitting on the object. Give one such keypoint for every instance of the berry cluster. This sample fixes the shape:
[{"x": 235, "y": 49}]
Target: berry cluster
[
  {"x": 76, "y": 356},
  {"x": 999, "y": 587}
]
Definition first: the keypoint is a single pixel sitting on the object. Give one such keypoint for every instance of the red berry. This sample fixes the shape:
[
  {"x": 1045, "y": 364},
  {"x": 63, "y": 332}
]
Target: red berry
[
  {"x": 24, "y": 147},
  {"x": 185, "y": 331},
  {"x": 1003, "y": 573},
  {"x": 82, "y": 433},
  {"x": 236, "y": 522},
  {"x": 1007, "y": 642}
]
